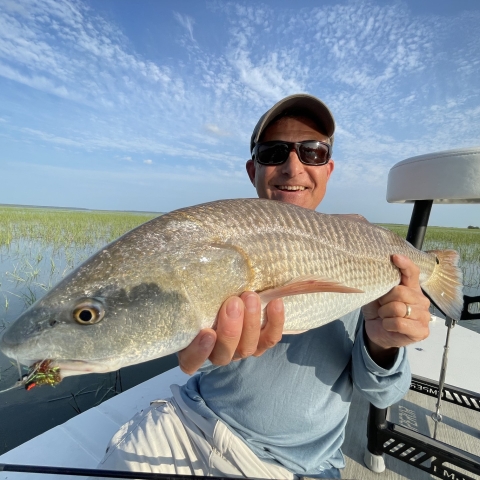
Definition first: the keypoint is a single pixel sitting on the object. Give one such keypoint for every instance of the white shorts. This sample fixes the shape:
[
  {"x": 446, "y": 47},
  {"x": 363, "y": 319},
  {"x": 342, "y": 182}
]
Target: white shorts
[{"x": 169, "y": 438}]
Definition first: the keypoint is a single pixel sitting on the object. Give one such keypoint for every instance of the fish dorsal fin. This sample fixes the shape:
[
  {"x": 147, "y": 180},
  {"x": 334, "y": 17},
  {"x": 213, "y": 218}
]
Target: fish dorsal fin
[
  {"x": 351, "y": 216},
  {"x": 306, "y": 284}
]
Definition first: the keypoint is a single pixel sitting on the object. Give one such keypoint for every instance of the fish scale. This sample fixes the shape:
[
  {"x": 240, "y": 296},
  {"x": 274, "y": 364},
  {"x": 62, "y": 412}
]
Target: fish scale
[{"x": 150, "y": 292}]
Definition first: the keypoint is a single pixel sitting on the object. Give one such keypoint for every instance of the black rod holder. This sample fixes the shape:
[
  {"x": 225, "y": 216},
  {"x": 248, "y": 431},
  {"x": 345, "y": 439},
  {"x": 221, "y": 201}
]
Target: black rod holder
[
  {"x": 377, "y": 419},
  {"x": 419, "y": 222}
]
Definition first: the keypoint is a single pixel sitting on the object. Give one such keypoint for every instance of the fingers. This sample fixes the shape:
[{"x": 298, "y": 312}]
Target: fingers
[
  {"x": 253, "y": 339},
  {"x": 217, "y": 345},
  {"x": 410, "y": 272},
  {"x": 408, "y": 307},
  {"x": 415, "y": 330},
  {"x": 391, "y": 328},
  {"x": 396, "y": 332},
  {"x": 396, "y": 303},
  {"x": 378, "y": 336},
  {"x": 238, "y": 333},
  {"x": 238, "y": 339},
  {"x": 229, "y": 331},
  {"x": 194, "y": 356},
  {"x": 272, "y": 331},
  {"x": 401, "y": 316},
  {"x": 251, "y": 326}
]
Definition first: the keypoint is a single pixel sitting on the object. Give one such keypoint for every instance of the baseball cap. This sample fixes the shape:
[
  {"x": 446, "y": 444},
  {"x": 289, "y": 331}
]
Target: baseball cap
[{"x": 301, "y": 102}]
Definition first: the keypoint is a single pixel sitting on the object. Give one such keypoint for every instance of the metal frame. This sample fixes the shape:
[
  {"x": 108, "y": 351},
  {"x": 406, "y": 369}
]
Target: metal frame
[
  {"x": 409, "y": 446},
  {"x": 416, "y": 449}
]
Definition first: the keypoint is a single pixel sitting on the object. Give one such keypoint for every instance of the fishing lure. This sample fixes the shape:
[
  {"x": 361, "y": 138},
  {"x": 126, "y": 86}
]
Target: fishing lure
[{"x": 40, "y": 373}]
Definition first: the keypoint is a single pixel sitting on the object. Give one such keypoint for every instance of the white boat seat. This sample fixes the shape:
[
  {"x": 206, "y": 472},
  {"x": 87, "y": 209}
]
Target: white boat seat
[{"x": 452, "y": 176}]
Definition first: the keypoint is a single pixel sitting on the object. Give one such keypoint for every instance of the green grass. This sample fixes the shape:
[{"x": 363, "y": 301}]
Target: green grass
[
  {"x": 62, "y": 228},
  {"x": 465, "y": 241}
]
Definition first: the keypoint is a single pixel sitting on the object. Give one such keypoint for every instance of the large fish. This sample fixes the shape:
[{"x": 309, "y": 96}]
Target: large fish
[{"x": 150, "y": 292}]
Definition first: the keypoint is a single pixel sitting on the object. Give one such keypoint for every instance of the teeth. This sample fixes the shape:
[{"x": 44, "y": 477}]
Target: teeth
[{"x": 291, "y": 187}]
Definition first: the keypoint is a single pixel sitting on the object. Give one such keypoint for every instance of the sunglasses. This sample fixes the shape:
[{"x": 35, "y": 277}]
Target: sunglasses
[{"x": 310, "y": 152}]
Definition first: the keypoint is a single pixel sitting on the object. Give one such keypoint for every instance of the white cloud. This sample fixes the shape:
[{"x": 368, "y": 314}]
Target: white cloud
[
  {"x": 64, "y": 49},
  {"x": 215, "y": 130},
  {"x": 148, "y": 161},
  {"x": 50, "y": 138},
  {"x": 186, "y": 22}
]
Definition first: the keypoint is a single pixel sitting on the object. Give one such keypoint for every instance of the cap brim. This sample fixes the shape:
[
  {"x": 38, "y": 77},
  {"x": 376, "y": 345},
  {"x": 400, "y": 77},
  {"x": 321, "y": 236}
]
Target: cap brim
[{"x": 307, "y": 103}]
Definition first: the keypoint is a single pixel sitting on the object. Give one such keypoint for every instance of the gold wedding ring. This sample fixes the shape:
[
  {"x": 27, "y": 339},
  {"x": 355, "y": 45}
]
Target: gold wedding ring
[{"x": 408, "y": 312}]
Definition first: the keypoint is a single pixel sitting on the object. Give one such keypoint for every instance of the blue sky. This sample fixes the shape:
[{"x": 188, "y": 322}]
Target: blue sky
[{"x": 149, "y": 105}]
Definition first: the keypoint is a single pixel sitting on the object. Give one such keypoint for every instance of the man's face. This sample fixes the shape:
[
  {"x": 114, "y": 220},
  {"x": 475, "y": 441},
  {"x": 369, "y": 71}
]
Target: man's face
[{"x": 292, "y": 182}]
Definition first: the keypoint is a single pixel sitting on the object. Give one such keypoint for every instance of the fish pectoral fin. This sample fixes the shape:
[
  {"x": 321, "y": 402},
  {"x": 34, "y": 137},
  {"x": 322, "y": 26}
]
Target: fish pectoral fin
[{"x": 306, "y": 284}]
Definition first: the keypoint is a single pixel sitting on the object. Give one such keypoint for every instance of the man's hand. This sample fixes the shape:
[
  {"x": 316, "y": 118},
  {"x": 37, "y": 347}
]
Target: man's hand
[
  {"x": 386, "y": 326},
  {"x": 237, "y": 335}
]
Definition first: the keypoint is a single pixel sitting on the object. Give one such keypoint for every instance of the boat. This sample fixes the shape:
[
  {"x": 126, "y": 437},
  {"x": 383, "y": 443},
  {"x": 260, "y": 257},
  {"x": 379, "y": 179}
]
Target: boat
[{"x": 398, "y": 442}]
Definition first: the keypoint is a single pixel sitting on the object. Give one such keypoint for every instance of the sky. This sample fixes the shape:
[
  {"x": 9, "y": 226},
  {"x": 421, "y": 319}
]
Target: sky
[{"x": 149, "y": 105}]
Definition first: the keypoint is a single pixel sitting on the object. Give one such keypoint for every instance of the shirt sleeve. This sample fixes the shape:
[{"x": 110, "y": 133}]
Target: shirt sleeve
[{"x": 381, "y": 387}]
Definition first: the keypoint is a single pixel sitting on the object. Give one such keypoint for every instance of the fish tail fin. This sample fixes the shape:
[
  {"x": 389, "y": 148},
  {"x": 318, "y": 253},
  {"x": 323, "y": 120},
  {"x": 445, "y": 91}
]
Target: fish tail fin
[{"x": 445, "y": 286}]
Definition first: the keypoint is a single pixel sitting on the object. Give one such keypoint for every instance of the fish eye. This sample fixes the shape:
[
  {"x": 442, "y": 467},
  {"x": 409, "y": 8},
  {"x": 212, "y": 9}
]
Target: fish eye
[{"x": 88, "y": 313}]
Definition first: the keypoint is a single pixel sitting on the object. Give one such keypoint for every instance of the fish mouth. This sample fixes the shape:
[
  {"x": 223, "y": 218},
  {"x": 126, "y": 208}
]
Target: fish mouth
[{"x": 69, "y": 368}]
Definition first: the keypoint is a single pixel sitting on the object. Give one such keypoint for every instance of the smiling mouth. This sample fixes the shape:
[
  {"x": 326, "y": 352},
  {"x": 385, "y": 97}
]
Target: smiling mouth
[{"x": 291, "y": 188}]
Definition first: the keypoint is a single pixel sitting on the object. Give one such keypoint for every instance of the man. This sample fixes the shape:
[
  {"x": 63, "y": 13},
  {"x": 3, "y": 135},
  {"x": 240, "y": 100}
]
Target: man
[{"x": 267, "y": 405}]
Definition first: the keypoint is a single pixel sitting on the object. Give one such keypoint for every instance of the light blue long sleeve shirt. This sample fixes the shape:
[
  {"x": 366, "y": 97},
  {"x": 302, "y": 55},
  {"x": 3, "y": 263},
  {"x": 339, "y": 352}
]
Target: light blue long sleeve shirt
[{"x": 291, "y": 404}]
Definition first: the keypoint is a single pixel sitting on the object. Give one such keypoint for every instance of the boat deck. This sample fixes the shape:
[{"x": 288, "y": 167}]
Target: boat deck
[
  {"x": 460, "y": 428},
  {"x": 81, "y": 441}
]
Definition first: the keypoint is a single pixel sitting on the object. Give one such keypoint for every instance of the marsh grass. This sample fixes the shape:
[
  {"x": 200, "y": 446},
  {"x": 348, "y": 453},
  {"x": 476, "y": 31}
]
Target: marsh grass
[{"x": 65, "y": 228}]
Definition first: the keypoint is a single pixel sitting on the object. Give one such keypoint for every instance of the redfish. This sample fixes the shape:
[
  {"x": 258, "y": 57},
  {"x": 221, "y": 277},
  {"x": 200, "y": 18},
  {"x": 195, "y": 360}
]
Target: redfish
[{"x": 150, "y": 292}]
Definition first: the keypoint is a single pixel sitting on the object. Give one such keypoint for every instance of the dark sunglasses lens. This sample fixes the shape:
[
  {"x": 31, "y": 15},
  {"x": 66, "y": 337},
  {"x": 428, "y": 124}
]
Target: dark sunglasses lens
[
  {"x": 274, "y": 154},
  {"x": 314, "y": 153}
]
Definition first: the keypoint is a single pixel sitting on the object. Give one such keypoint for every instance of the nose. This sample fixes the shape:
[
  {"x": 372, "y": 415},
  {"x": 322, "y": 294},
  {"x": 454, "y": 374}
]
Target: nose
[{"x": 293, "y": 166}]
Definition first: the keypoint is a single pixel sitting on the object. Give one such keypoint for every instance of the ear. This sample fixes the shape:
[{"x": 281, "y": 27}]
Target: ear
[
  {"x": 330, "y": 167},
  {"x": 250, "y": 166}
]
